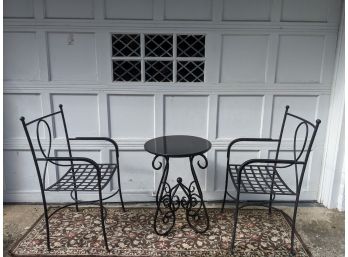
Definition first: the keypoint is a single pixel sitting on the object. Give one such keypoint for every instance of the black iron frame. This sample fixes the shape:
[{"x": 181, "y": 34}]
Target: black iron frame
[
  {"x": 168, "y": 202},
  {"x": 74, "y": 187},
  {"x": 253, "y": 185}
]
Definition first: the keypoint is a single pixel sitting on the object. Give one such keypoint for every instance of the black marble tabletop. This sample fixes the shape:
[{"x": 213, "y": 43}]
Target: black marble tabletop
[{"x": 177, "y": 146}]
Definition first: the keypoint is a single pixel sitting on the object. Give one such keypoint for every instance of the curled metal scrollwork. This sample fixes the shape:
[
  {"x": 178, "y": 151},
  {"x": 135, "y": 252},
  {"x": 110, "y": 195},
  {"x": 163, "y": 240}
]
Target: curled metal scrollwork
[
  {"x": 298, "y": 152},
  {"x": 165, "y": 212},
  {"x": 168, "y": 200},
  {"x": 197, "y": 216},
  {"x": 46, "y": 155},
  {"x": 159, "y": 164},
  {"x": 205, "y": 164}
]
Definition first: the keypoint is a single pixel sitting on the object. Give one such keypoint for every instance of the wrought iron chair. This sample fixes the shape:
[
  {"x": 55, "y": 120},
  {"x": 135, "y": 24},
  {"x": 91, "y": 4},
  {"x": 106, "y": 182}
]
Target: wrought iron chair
[
  {"x": 263, "y": 176},
  {"x": 81, "y": 174}
]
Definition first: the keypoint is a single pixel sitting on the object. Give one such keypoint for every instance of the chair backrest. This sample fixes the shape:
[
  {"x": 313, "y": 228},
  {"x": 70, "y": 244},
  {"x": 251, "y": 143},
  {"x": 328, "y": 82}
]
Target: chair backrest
[
  {"x": 44, "y": 142},
  {"x": 304, "y": 133}
]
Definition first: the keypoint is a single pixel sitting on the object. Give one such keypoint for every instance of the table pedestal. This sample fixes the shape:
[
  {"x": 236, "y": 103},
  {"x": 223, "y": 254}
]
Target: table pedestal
[{"x": 168, "y": 202}]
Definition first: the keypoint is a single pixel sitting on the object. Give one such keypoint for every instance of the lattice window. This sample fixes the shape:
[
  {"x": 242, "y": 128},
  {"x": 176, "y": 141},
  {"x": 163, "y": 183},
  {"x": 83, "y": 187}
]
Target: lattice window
[
  {"x": 191, "y": 45},
  {"x": 127, "y": 70},
  {"x": 158, "y": 71},
  {"x": 125, "y": 45},
  {"x": 190, "y": 71},
  {"x": 158, "y": 57},
  {"x": 159, "y": 45}
]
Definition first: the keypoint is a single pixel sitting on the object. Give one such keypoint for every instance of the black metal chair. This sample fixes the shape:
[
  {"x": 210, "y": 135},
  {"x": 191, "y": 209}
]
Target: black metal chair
[
  {"x": 81, "y": 174},
  {"x": 263, "y": 176}
]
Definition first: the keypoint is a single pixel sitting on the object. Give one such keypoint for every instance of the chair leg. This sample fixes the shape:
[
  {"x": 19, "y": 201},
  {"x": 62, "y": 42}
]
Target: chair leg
[
  {"x": 76, "y": 201},
  {"x": 225, "y": 194},
  {"x": 103, "y": 220},
  {"x": 235, "y": 222},
  {"x": 119, "y": 189},
  {"x": 270, "y": 203},
  {"x": 293, "y": 227},
  {"x": 46, "y": 221}
]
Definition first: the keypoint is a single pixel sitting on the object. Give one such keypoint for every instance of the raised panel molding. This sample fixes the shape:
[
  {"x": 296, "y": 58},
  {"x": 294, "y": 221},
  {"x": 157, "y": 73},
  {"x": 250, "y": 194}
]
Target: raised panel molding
[
  {"x": 247, "y": 10},
  {"x": 17, "y": 178},
  {"x": 28, "y": 105},
  {"x": 129, "y": 9},
  {"x": 131, "y": 116},
  {"x": 81, "y": 114},
  {"x": 183, "y": 9},
  {"x": 244, "y": 58},
  {"x": 186, "y": 114},
  {"x": 300, "y": 59},
  {"x": 18, "y": 9},
  {"x": 69, "y": 9},
  {"x": 305, "y": 10},
  {"x": 239, "y": 116},
  {"x": 72, "y": 56},
  {"x": 136, "y": 176},
  {"x": 21, "y": 56}
]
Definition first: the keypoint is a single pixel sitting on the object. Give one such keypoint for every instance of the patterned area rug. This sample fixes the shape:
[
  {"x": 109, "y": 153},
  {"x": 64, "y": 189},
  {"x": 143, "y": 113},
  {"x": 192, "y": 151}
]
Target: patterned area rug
[{"x": 131, "y": 233}]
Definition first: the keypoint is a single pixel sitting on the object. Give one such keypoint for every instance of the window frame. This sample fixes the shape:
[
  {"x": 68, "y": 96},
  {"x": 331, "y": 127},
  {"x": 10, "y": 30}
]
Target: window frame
[{"x": 174, "y": 58}]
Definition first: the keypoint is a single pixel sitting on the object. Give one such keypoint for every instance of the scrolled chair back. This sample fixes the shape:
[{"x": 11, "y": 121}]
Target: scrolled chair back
[
  {"x": 297, "y": 137},
  {"x": 40, "y": 132}
]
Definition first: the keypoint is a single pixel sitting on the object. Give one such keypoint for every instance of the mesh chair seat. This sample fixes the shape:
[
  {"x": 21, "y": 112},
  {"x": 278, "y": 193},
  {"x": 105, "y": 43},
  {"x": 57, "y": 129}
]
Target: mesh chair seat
[
  {"x": 257, "y": 179},
  {"x": 86, "y": 178}
]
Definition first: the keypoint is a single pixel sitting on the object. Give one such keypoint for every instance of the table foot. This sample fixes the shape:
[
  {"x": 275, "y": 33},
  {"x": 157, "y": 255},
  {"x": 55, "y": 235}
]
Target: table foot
[
  {"x": 196, "y": 213},
  {"x": 165, "y": 217}
]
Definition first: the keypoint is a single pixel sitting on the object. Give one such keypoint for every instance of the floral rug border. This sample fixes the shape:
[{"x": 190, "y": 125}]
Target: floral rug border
[{"x": 164, "y": 253}]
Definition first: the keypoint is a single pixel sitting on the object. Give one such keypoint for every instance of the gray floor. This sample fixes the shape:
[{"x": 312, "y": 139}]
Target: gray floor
[{"x": 321, "y": 229}]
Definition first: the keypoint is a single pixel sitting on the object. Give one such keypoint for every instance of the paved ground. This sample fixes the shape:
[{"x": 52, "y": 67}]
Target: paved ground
[{"x": 321, "y": 229}]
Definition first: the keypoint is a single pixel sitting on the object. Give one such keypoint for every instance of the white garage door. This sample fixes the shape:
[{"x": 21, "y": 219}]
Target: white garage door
[{"x": 134, "y": 70}]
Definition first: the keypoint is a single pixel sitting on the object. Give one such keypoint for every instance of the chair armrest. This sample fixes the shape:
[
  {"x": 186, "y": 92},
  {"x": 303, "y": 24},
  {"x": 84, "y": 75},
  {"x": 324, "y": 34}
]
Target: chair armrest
[
  {"x": 100, "y": 139},
  {"x": 282, "y": 161},
  {"x": 71, "y": 159},
  {"x": 273, "y": 161},
  {"x": 246, "y": 139}
]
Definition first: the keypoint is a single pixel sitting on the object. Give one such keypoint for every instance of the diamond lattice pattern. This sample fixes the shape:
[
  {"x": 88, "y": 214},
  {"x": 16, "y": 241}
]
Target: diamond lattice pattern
[
  {"x": 124, "y": 45},
  {"x": 127, "y": 70},
  {"x": 190, "y": 71},
  {"x": 190, "y": 45},
  {"x": 159, "y": 71},
  {"x": 158, "y": 45}
]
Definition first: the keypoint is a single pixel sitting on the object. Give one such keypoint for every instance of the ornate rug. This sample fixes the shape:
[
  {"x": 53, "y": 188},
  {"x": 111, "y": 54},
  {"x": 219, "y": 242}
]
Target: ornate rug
[{"x": 131, "y": 233}]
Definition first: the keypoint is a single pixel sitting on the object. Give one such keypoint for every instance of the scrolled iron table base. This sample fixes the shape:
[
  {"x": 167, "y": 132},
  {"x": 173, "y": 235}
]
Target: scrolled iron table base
[
  {"x": 168, "y": 201},
  {"x": 170, "y": 198}
]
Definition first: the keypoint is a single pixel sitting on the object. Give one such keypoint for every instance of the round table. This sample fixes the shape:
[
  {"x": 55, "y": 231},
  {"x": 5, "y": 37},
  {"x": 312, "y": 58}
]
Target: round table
[{"x": 167, "y": 199}]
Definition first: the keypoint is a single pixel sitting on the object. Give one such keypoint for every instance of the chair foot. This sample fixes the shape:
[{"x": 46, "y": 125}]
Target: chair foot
[{"x": 222, "y": 209}]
